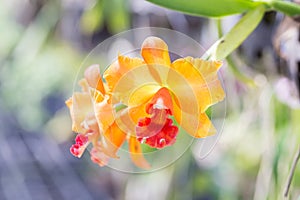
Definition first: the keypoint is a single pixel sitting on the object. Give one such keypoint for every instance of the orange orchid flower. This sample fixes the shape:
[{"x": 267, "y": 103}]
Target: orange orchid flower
[
  {"x": 154, "y": 89},
  {"x": 92, "y": 118},
  {"x": 153, "y": 92}
]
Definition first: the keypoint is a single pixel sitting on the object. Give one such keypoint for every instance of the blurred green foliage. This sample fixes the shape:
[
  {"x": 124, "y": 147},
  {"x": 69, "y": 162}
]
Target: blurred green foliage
[
  {"x": 35, "y": 66},
  {"x": 112, "y": 13}
]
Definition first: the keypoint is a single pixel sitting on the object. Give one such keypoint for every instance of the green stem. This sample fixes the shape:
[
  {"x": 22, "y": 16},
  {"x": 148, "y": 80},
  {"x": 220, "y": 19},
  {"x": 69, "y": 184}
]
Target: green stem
[
  {"x": 219, "y": 27},
  {"x": 289, "y": 8},
  {"x": 231, "y": 64},
  {"x": 237, "y": 73},
  {"x": 290, "y": 178}
]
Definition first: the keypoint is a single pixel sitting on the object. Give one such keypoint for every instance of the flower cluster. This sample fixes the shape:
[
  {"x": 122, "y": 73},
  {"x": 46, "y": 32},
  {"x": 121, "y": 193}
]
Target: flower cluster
[{"x": 140, "y": 101}]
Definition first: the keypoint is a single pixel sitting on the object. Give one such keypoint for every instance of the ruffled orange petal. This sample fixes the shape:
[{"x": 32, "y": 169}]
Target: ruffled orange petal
[
  {"x": 119, "y": 68},
  {"x": 142, "y": 95},
  {"x": 80, "y": 106},
  {"x": 93, "y": 77},
  {"x": 155, "y": 51},
  {"x": 134, "y": 87},
  {"x": 115, "y": 135},
  {"x": 128, "y": 118},
  {"x": 192, "y": 85},
  {"x": 209, "y": 70},
  {"x": 104, "y": 113},
  {"x": 136, "y": 153},
  {"x": 156, "y": 55},
  {"x": 112, "y": 139},
  {"x": 197, "y": 125},
  {"x": 84, "y": 85},
  {"x": 193, "y": 93}
]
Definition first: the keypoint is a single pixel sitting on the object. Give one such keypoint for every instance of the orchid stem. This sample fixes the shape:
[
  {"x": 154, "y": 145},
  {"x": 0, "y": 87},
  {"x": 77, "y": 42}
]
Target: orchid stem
[
  {"x": 231, "y": 64},
  {"x": 291, "y": 175},
  {"x": 237, "y": 73}
]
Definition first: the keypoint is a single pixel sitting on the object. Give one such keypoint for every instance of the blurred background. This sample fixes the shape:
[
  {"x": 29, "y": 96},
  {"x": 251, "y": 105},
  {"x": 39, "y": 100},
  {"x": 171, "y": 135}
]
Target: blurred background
[{"x": 43, "y": 43}]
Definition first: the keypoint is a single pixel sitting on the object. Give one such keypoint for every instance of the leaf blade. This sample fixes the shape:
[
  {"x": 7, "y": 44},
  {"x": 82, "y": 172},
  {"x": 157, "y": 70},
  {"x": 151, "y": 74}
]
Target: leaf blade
[
  {"x": 212, "y": 8},
  {"x": 229, "y": 42}
]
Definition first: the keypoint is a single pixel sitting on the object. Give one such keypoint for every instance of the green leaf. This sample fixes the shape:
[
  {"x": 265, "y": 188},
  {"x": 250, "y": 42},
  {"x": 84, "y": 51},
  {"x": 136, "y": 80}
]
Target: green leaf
[
  {"x": 289, "y": 8},
  {"x": 209, "y": 8},
  {"x": 229, "y": 42}
]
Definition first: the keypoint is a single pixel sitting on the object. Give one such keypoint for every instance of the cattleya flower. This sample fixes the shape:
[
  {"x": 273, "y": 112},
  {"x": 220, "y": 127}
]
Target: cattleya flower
[
  {"x": 92, "y": 118},
  {"x": 140, "y": 101}
]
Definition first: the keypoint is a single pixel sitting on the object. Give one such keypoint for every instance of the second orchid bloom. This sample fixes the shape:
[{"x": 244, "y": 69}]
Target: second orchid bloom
[{"x": 138, "y": 101}]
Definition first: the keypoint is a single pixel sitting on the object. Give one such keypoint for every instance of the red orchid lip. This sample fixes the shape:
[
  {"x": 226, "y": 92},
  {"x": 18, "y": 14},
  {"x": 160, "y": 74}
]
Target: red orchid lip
[
  {"x": 79, "y": 146},
  {"x": 164, "y": 136}
]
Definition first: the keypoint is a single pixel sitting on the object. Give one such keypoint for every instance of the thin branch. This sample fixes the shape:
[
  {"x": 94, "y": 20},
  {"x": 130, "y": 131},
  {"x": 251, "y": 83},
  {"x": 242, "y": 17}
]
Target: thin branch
[{"x": 296, "y": 159}]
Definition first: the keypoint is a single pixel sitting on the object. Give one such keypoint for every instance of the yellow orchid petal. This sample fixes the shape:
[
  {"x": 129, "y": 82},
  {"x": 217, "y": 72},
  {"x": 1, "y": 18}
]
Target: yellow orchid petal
[
  {"x": 142, "y": 95},
  {"x": 115, "y": 135},
  {"x": 104, "y": 113},
  {"x": 183, "y": 90},
  {"x": 69, "y": 103},
  {"x": 84, "y": 85},
  {"x": 191, "y": 79},
  {"x": 112, "y": 140},
  {"x": 119, "y": 68},
  {"x": 129, "y": 87},
  {"x": 156, "y": 55},
  {"x": 128, "y": 118},
  {"x": 209, "y": 71},
  {"x": 155, "y": 51},
  {"x": 97, "y": 95},
  {"x": 136, "y": 153},
  {"x": 198, "y": 126},
  {"x": 90, "y": 125},
  {"x": 205, "y": 127},
  {"x": 93, "y": 77},
  {"x": 193, "y": 93},
  {"x": 80, "y": 106}
]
